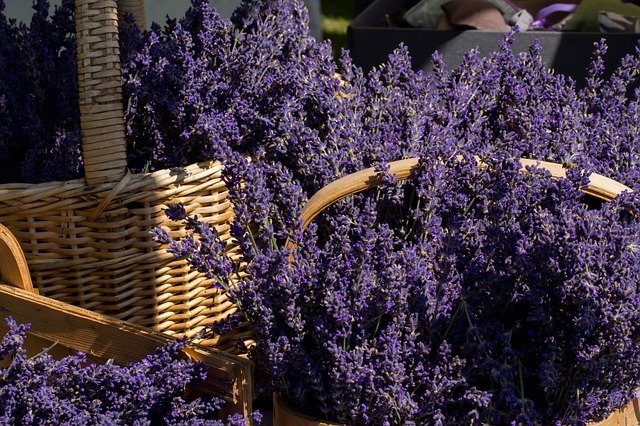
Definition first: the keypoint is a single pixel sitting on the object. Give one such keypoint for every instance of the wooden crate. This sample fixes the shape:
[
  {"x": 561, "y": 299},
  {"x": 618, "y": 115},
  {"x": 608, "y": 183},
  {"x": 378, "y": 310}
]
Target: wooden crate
[{"x": 102, "y": 337}]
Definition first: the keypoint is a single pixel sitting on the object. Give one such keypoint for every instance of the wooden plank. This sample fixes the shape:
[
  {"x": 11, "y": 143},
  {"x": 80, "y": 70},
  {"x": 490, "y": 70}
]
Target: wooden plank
[{"x": 229, "y": 376}]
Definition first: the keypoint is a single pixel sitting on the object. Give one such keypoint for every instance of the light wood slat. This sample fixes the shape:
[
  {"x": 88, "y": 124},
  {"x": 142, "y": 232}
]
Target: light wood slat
[
  {"x": 13, "y": 265},
  {"x": 103, "y": 337}
]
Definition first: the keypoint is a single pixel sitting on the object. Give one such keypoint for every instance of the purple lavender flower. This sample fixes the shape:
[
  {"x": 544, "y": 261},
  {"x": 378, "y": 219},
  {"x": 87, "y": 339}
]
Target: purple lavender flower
[
  {"x": 465, "y": 294},
  {"x": 40, "y": 119},
  {"x": 42, "y": 390},
  {"x": 176, "y": 212}
]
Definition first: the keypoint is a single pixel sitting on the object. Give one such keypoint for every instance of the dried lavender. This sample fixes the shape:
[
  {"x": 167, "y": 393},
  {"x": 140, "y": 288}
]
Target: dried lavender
[
  {"x": 205, "y": 88},
  {"x": 430, "y": 301},
  {"x": 440, "y": 316},
  {"x": 39, "y": 113},
  {"x": 383, "y": 316},
  {"x": 42, "y": 390}
]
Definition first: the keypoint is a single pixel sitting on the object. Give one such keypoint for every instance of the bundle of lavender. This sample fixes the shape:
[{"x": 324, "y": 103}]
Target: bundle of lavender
[{"x": 466, "y": 295}]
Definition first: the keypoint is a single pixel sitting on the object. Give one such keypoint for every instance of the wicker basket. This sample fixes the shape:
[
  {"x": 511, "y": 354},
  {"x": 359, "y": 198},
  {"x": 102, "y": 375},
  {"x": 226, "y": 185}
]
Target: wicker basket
[
  {"x": 87, "y": 241},
  {"x": 599, "y": 186}
]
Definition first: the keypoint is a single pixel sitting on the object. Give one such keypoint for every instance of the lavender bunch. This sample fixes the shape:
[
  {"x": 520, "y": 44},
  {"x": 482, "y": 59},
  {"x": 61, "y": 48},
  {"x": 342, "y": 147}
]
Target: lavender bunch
[
  {"x": 205, "y": 88},
  {"x": 201, "y": 88},
  {"x": 420, "y": 302},
  {"x": 548, "y": 284},
  {"x": 42, "y": 390},
  {"x": 259, "y": 86},
  {"x": 39, "y": 115},
  {"x": 513, "y": 103},
  {"x": 496, "y": 296}
]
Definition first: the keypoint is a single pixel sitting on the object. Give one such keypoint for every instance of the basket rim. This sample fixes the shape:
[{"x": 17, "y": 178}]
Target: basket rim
[
  {"x": 599, "y": 186},
  {"x": 163, "y": 177}
]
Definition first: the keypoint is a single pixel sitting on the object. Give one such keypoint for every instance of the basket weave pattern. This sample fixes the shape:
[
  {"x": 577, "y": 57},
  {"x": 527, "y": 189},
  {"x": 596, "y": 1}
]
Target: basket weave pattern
[
  {"x": 87, "y": 241},
  {"x": 100, "y": 89}
]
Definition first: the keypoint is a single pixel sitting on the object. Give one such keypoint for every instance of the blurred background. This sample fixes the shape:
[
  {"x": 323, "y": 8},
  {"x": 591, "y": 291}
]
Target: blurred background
[
  {"x": 336, "y": 15},
  {"x": 329, "y": 18}
]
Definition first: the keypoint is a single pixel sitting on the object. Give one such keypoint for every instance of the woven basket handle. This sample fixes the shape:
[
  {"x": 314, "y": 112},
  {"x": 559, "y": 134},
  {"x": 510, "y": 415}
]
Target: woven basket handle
[
  {"x": 134, "y": 7},
  {"x": 13, "y": 265},
  {"x": 100, "y": 87},
  {"x": 599, "y": 186}
]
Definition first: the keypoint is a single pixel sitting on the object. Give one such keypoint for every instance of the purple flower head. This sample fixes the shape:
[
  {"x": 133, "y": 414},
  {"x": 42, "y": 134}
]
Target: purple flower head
[
  {"x": 161, "y": 236},
  {"x": 225, "y": 325},
  {"x": 43, "y": 390},
  {"x": 176, "y": 212}
]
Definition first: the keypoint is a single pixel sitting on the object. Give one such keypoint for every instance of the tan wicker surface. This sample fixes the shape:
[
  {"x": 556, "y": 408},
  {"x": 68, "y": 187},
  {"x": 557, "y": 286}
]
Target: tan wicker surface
[
  {"x": 100, "y": 88},
  {"x": 99, "y": 255},
  {"x": 87, "y": 241}
]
